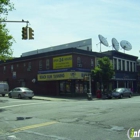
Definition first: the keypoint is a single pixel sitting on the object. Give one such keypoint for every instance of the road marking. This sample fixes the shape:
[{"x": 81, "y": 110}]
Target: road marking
[
  {"x": 21, "y": 105},
  {"x": 33, "y": 126}
]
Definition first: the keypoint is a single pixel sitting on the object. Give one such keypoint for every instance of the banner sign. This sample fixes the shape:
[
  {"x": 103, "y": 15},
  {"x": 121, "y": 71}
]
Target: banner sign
[
  {"x": 62, "y": 62},
  {"x": 61, "y": 76}
]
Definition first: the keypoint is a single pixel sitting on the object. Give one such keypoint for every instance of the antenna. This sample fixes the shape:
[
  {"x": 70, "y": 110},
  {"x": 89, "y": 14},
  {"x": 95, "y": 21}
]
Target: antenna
[
  {"x": 115, "y": 44},
  {"x": 103, "y": 41},
  {"x": 126, "y": 45}
]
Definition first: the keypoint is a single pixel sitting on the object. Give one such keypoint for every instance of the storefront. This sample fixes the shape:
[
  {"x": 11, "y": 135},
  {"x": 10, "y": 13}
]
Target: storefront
[{"x": 71, "y": 81}]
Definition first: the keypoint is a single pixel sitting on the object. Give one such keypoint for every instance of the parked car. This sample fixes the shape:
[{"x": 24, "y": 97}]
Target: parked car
[
  {"x": 4, "y": 88},
  {"x": 21, "y": 92},
  {"x": 121, "y": 92}
]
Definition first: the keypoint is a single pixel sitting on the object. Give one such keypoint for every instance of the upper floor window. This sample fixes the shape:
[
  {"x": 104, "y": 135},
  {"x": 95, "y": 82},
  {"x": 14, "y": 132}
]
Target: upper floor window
[
  {"x": 119, "y": 65},
  {"x": 40, "y": 64},
  {"x": 12, "y": 67},
  {"x": 115, "y": 64},
  {"x": 127, "y": 65},
  {"x": 29, "y": 66},
  {"x": 4, "y": 68},
  {"x": 134, "y": 67},
  {"x": 79, "y": 62},
  {"x": 92, "y": 62},
  {"x": 47, "y": 64},
  {"x": 123, "y": 65},
  {"x": 131, "y": 67}
]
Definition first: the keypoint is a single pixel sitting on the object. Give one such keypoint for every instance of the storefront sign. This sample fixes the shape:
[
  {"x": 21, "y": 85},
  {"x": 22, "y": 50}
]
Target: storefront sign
[
  {"x": 61, "y": 76},
  {"x": 62, "y": 62}
]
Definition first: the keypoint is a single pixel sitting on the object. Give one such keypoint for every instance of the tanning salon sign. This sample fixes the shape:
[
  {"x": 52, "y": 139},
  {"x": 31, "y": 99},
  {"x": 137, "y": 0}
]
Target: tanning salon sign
[
  {"x": 62, "y": 62},
  {"x": 61, "y": 76}
]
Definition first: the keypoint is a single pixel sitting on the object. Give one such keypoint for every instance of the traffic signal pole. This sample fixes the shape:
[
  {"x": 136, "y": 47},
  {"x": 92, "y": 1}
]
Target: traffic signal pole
[
  {"x": 27, "y": 32},
  {"x": 16, "y": 21}
]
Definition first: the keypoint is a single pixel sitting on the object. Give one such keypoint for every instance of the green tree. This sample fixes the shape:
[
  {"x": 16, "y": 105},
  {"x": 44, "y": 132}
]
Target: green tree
[
  {"x": 5, "y": 7},
  {"x": 103, "y": 72},
  {"x": 6, "y": 40}
]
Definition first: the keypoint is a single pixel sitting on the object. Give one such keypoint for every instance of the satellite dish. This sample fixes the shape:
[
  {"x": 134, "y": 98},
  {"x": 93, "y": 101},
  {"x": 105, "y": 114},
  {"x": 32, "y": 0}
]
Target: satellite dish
[
  {"x": 115, "y": 44},
  {"x": 103, "y": 41},
  {"x": 126, "y": 45}
]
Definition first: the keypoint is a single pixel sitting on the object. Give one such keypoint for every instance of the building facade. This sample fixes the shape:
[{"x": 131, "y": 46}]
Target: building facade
[
  {"x": 63, "y": 71},
  {"x": 58, "y": 72},
  {"x": 125, "y": 67}
]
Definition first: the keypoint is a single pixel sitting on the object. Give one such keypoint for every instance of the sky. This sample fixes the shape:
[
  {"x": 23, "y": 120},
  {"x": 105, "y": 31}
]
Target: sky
[{"x": 57, "y": 22}]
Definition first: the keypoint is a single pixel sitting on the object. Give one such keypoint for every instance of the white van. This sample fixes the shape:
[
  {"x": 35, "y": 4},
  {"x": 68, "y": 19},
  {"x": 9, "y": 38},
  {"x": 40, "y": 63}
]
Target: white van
[{"x": 4, "y": 88}]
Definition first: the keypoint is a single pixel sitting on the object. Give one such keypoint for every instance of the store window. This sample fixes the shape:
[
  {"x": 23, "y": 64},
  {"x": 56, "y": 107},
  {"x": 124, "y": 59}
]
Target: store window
[
  {"x": 81, "y": 87},
  {"x": 65, "y": 87}
]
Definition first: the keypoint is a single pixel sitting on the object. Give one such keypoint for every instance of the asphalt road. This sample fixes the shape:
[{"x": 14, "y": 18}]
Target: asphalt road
[{"x": 22, "y": 119}]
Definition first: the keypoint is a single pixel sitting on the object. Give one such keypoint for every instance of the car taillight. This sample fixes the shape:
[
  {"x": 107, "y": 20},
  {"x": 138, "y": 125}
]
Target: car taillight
[{"x": 24, "y": 92}]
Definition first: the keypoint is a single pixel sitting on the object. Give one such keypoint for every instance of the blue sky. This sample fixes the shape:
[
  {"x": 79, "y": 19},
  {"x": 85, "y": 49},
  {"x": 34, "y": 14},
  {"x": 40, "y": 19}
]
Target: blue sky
[{"x": 57, "y": 22}]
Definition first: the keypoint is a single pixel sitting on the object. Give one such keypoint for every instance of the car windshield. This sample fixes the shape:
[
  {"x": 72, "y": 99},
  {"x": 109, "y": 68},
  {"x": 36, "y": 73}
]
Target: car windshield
[{"x": 118, "y": 89}]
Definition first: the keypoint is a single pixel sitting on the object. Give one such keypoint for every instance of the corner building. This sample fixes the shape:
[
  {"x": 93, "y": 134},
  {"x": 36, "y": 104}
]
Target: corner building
[{"x": 61, "y": 70}]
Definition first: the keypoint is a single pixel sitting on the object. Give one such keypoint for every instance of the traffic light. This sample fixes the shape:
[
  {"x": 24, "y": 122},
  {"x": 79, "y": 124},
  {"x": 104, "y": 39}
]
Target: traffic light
[
  {"x": 31, "y": 33},
  {"x": 24, "y": 33}
]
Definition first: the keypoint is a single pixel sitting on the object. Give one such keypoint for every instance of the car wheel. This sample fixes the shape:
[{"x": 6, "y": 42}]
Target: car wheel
[
  {"x": 30, "y": 97},
  {"x": 130, "y": 95},
  {"x": 121, "y": 96},
  {"x": 19, "y": 96},
  {"x": 3, "y": 95},
  {"x": 10, "y": 96}
]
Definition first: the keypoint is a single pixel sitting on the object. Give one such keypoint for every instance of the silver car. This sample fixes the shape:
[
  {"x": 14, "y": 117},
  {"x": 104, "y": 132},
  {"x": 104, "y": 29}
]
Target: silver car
[{"x": 21, "y": 92}]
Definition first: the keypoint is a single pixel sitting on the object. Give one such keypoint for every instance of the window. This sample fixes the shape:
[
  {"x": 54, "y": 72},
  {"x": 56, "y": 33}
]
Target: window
[
  {"x": 79, "y": 62},
  {"x": 29, "y": 66},
  {"x": 92, "y": 62},
  {"x": 131, "y": 66},
  {"x": 47, "y": 64},
  {"x": 123, "y": 65},
  {"x": 4, "y": 68},
  {"x": 40, "y": 64},
  {"x": 12, "y": 67},
  {"x": 115, "y": 64},
  {"x": 119, "y": 65},
  {"x": 127, "y": 65},
  {"x": 134, "y": 67}
]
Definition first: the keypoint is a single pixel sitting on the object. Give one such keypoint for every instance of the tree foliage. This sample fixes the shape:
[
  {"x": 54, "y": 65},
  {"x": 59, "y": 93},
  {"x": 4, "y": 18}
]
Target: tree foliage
[
  {"x": 5, "y": 7},
  {"x": 6, "y": 40},
  {"x": 104, "y": 71}
]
